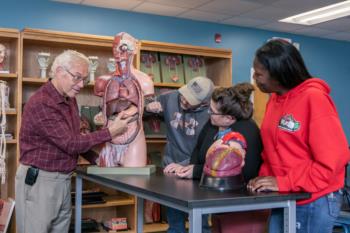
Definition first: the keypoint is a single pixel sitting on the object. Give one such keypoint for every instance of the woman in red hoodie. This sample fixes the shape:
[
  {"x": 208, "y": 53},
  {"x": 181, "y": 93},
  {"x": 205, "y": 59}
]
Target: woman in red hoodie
[{"x": 305, "y": 148}]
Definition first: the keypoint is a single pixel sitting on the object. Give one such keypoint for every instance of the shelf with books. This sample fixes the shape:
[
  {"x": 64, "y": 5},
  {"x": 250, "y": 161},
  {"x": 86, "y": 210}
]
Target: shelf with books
[
  {"x": 111, "y": 201},
  {"x": 9, "y": 72}
]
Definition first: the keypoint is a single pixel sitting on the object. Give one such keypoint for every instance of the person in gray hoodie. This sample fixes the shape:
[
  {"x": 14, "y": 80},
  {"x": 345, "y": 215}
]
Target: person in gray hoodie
[{"x": 185, "y": 112}]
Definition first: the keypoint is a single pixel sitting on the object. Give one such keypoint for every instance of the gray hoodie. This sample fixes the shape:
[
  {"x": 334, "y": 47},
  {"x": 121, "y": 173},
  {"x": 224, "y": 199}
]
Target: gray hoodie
[{"x": 183, "y": 128}]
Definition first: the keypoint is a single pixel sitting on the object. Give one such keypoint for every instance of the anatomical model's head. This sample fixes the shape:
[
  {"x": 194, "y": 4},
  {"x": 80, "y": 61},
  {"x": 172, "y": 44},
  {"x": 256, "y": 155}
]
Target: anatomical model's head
[{"x": 124, "y": 49}]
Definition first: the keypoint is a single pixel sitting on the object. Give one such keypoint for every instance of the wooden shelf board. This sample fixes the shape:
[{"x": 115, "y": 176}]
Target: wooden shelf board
[
  {"x": 176, "y": 85},
  {"x": 9, "y": 75},
  {"x": 34, "y": 80},
  {"x": 155, "y": 227},
  {"x": 37, "y": 80},
  {"x": 11, "y": 112},
  {"x": 130, "y": 231},
  {"x": 12, "y": 141},
  {"x": 9, "y": 32},
  {"x": 185, "y": 49},
  {"x": 155, "y": 140},
  {"x": 66, "y": 37},
  {"x": 112, "y": 201},
  {"x": 90, "y": 84}
]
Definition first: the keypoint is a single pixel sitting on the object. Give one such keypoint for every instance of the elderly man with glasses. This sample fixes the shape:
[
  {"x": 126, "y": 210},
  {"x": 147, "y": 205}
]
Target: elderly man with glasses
[{"x": 50, "y": 143}]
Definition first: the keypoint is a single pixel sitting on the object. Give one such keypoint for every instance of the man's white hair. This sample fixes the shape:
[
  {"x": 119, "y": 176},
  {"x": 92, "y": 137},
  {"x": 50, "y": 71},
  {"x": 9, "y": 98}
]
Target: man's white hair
[{"x": 66, "y": 59}]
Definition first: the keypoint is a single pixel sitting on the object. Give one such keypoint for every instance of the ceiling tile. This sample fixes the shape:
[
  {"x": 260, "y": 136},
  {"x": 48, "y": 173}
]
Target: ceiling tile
[
  {"x": 300, "y": 6},
  {"x": 339, "y": 36},
  {"x": 229, "y": 7},
  {"x": 152, "y": 8},
  {"x": 267, "y": 13},
  {"x": 313, "y": 31},
  {"x": 203, "y": 16},
  {"x": 281, "y": 27},
  {"x": 114, "y": 4},
  {"x": 68, "y": 1},
  {"x": 181, "y": 3},
  {"x": 342, "y": 24},
  {"x": 243, "y": 21},
  {"x": 264, "y": 2}
]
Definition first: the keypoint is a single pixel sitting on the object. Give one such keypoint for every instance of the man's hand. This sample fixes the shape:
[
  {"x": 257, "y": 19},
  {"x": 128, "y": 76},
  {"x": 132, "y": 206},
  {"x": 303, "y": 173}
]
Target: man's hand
[
  {"x": 263, "y": 184},
  {"x": 172, "y": 168},
  {"x": 119, "y": 125},
  {"x": 186, "y": 172},
  {"x": 154, "y": 107}
]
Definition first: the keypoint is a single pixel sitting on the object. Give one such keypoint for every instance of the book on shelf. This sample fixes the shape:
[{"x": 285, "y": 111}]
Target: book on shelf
[{"x": 6, "y": 210}]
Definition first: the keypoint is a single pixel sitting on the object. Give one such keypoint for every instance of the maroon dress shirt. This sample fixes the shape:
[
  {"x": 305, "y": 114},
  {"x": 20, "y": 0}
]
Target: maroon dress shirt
[{"x": 50, "y": 136}]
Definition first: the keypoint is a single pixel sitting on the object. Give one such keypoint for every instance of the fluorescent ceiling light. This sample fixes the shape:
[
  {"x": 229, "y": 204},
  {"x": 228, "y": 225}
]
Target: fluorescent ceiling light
[{"x": 320, "y": 15}]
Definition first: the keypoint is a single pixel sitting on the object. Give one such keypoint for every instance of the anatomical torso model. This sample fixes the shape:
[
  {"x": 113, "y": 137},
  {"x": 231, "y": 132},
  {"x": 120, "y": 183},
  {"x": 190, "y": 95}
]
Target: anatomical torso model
[{"x": 124, "y": 90}]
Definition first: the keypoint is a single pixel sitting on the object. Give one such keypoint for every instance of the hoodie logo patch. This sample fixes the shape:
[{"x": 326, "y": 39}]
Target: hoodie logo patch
[{"x": 288, "y": 123}]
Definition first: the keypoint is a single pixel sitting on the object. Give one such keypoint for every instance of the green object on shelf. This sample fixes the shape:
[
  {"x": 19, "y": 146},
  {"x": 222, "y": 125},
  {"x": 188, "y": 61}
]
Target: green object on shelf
[
  {"x": 194, "y": 66},
  {"x": 172, "y": 68},
  {"x": 149, "y": 64},
  {"x": 147, "y": 170}
]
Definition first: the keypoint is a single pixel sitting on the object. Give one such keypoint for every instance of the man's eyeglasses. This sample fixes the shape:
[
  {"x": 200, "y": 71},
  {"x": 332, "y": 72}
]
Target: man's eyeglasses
[
  {"x": 186, "y": 105},
  {"x": 77, "y": 78},
  {"x": 210, "y": 112}
]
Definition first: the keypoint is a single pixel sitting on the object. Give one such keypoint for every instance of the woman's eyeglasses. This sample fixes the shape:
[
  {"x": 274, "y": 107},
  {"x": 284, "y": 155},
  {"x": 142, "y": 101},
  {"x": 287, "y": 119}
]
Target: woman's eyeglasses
[
  {"x": 211, "y": 112},
  {"x": 77, "y": 78}
]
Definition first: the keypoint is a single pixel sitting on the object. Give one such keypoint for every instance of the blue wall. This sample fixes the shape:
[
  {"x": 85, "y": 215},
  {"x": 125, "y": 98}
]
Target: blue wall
[{"x": 327, "y": 59}]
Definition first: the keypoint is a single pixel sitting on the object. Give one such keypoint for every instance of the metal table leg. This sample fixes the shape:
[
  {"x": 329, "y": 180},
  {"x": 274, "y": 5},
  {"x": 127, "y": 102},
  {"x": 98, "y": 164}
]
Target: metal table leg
[
  {"x": 78, "y": 202},
  {"x": 139, "y": 215},
  {"x": 195, "y": 217},
  {"x": 289, "y": 220}
]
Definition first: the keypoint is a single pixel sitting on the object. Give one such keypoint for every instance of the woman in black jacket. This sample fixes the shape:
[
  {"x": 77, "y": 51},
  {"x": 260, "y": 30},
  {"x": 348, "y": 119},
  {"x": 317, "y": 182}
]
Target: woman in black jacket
[{"x": 230, "y": 110}]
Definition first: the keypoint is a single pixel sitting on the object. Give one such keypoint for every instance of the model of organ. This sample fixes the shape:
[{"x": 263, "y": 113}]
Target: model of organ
[
  {"x": 124, "y": 90},
  {"x": 224, "y": 162},
  {"x": 225, "y": 156}
]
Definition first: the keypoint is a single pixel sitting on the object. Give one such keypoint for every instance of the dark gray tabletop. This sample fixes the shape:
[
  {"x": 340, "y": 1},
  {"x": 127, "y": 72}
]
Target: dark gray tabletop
[{"x": 185, "y": 192}]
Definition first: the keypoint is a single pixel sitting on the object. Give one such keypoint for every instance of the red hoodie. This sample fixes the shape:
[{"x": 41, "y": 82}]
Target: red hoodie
[{"x": 305, "y": 147}]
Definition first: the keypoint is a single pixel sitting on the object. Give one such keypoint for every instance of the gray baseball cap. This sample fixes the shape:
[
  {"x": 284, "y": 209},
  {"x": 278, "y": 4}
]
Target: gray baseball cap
[{"x": 197, "y": 90}]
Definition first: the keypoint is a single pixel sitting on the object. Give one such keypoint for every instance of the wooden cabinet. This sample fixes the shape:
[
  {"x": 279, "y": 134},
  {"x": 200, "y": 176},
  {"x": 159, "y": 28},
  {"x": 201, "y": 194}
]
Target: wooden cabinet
[
  {"x": 218, "y": 64},
  {"x": 9, "y": 75}
]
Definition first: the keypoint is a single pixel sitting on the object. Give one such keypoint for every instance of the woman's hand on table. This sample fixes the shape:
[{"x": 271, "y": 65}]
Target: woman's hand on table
[{"x": 263, "y": 184}]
